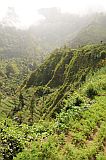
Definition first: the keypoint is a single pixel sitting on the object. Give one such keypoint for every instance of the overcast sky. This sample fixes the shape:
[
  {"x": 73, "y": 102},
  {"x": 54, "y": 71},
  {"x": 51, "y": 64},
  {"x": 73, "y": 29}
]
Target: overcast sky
[{"x": 27, "y": 9}]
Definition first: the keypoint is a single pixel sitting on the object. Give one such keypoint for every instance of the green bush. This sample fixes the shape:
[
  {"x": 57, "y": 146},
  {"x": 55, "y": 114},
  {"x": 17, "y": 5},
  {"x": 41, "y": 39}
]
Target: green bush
[
  {"x": 91, "y": 91},
  {"x": 40, "y": 151},
  {"x": 11, "y": 69},
  {"x": 11, "y": 147}
]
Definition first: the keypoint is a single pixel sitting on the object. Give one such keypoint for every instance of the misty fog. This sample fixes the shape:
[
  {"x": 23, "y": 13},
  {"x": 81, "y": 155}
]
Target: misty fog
[{"x": 35, "y": 29}]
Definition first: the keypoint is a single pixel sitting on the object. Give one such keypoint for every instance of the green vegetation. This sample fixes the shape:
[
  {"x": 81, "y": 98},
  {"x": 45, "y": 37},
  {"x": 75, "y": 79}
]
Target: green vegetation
[
  {"x": 16, "y": 43},
  {"x": 59, "y": 111}
]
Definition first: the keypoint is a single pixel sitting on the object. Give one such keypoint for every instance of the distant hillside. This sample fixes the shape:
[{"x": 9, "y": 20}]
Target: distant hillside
[
  {"x": 18, "y": 43},
  {"x": 58, "y": 28},
  {"x": 54, "y": 31},
  {"x": 93, "y": 33},
  {"x": 63, "y": 28}
]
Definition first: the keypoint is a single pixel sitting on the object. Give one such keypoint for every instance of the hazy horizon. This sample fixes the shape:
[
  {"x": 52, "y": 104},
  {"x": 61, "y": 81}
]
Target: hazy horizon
[{"x": 27, "y": 10}]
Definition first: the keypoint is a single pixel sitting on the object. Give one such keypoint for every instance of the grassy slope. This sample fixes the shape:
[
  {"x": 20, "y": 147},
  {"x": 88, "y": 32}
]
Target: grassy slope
[
  {"x": 84, "y": 60},
  {"x": 64, "y": 71},
  {"x": 86, "y": 135},
  {"x": 79, "y": 132}
]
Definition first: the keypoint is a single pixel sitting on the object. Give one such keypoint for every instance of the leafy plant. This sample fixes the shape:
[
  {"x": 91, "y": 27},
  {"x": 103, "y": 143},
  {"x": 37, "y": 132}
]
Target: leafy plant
[{"x": 91, "y": 91}]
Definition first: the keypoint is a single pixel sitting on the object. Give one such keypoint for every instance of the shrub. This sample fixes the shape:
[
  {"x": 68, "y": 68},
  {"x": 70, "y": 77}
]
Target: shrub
[
  {"x": 41, "y": 91},
  {"x": 91, "y": 91},
  {"x": 11, "y": 69},
  {"x": 11, "y": 147}
]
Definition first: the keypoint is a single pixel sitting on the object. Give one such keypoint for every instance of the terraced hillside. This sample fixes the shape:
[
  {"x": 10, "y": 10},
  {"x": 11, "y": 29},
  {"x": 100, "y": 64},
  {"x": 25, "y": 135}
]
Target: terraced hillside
[
  {"x": 77, "y": 132},
  {"x": 67, "y": 66},
  {"x": 64, "y": 71},
  {"x": 59, "y": 112},
  {"x": 43, "y": 93}
]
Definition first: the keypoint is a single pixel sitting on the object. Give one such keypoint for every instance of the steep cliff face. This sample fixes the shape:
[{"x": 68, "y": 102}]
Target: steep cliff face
[
  {"x": 63, "y": 72},
  {"x": 45, "y": 72},
  {"x": 68, "y": 66}
]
